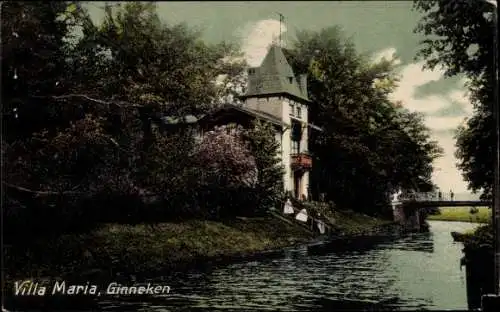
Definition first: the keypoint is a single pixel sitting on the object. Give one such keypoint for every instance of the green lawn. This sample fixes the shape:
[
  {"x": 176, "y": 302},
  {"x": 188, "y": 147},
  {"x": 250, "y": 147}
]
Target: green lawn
[{"x": 462, "y": 214}]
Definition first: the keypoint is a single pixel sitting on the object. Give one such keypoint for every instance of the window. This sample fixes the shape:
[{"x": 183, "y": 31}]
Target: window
[
  {"x": 296, "y": 131},
  {"x": 292, "y": 109},
  {"x": 251, "y": 71},
  {"x": 299, "y": 112}
]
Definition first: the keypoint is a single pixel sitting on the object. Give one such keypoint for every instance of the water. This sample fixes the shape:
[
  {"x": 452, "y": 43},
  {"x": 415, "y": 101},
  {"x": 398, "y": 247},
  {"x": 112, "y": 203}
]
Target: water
[{"x": 418, "y": 271}]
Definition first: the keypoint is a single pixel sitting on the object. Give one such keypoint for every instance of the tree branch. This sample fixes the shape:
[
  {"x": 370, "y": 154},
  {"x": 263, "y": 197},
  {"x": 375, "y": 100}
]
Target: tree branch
[
  {"x": 38, "y": 193},
  {"x": 84, "y": 96}
]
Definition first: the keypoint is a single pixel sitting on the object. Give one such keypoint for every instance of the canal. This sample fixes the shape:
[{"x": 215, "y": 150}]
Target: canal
[{"x": 417, "y": 271}]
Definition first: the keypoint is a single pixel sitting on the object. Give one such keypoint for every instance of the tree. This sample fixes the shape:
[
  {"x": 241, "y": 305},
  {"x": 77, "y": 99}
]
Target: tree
[
  {"x": 226, "y": 158},
  {"x": 265, "y": 149},
  {"x": 28, "y": 77},
  {"x": 459, "y": 37},
  {"x": 226, "y": 172},
  {"x": 157, "y": 70},
  {"x": 49, "y": 149},
  {"x": 83, "y": 116},
  {"x": 369, "y": 144},
  {"x": 240, "y": 171}
]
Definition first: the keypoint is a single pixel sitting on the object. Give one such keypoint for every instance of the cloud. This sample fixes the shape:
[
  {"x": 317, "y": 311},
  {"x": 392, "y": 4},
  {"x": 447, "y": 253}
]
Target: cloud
[
  {"x": 256, "y": 38},
  {"x": 443, "y": 123},
  {"x": 388, "y": 54},
  {"x": 412, "y": 76},
  {"x": 461, "y": 98},
  {"x": 446, "y": 175}
]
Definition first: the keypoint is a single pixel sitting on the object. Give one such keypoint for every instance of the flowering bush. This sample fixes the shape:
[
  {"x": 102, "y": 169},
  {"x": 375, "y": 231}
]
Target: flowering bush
[
  {"x": 239, "y": 171},
  {"x": 225, "y": 158}
]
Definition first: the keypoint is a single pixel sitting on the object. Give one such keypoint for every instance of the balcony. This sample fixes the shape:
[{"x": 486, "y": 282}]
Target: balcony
[{"x": 301, "y": 161}]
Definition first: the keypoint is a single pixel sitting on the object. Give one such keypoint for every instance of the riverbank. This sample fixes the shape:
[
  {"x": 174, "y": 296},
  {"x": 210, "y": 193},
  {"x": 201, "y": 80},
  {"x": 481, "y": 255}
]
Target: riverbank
[
  {"x": 136, "y": 249},
  {"x": 270, "y": 285},
  {"x": 462, "y": 214}
]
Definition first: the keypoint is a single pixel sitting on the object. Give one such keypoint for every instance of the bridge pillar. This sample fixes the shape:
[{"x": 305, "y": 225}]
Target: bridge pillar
[
  {"x": 411, "y": 219},
  {"x": 398, "y": 213}
]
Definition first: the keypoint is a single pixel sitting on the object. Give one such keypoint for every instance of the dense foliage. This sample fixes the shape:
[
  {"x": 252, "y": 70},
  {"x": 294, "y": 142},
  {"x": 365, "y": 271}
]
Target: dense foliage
[
  {"x": 240, "y": 171},
  {"x": 227, "y": 172},
  {"x": 370, "y": 145},
  {"x": 481, "y": 240},
  {"x": 83, "y": 138},
  {"x": 225, "y": 157},
  {"x": 459, "y": 36},
  {"x": 85, "y": 142},
  {"x": 265, "y": 148}
]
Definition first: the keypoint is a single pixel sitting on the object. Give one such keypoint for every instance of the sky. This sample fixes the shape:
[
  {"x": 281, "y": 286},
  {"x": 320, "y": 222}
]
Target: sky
[{"x": 380, "y": 28}]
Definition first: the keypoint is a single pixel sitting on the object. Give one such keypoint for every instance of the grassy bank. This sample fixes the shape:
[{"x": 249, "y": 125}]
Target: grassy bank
[
  {"x": 351, "y": 223},
  {"x": 132, "y": 249},
  {"x": 462, "y": 214},
  {"x": 145, "y": 248},
  {"x": 345, "y": 222}
]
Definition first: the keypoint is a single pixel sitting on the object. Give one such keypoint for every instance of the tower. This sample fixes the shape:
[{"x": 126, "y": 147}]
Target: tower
[{"x": 274, "y": 89}]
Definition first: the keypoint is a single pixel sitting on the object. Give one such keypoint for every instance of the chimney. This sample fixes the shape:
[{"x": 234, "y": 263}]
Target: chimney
[{"x": 303, "y": 84}]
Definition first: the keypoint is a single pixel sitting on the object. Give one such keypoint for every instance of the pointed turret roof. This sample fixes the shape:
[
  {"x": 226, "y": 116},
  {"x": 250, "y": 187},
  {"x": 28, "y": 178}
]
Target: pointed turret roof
[{"x": 274, "y": 76}]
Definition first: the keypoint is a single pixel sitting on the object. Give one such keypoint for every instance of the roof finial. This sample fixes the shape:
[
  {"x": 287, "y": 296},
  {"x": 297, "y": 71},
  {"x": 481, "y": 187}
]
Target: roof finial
[{"x": 282, "y": 20}]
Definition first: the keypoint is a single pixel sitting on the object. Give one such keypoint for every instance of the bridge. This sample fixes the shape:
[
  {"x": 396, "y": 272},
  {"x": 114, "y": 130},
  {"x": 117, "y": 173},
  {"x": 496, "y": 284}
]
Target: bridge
[
  {"x": 410, "y": 210},
  {"x": 431, "y": 199}
]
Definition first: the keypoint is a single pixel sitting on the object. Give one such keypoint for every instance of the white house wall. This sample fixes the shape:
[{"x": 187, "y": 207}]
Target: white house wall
[
  {"x": 304, "y": 146},
  {"x": 269, "y": 105},
  {"x": 305, "y": 184},
  {"x": 304, "y": 143},
  {"x": 286, "y": 144}
]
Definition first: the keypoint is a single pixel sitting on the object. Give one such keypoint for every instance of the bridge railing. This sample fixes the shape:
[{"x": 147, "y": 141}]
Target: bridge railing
[{"x": 428, "y": 196}]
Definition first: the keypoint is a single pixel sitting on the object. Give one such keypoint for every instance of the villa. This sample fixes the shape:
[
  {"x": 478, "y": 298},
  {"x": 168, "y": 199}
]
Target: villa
[{"x": 276, "y": 95}]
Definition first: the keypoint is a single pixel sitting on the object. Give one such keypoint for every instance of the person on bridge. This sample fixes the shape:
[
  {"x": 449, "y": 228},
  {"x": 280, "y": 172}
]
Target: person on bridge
[{"x": 451, "y": 195}]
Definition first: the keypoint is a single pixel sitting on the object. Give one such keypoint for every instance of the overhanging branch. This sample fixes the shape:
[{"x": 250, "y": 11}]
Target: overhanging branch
[
  {"x": 39, "y": 193},
  {"x": 86, "y": 97}
]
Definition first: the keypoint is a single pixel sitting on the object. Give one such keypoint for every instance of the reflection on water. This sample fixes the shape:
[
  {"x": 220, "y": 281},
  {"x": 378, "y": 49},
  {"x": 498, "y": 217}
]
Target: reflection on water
[{"x": 418, "y": 271}]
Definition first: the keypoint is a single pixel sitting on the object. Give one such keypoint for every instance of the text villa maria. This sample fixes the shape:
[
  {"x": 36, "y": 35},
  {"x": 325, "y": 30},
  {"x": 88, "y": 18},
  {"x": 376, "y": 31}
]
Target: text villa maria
[{"x": 30, "y": 288}]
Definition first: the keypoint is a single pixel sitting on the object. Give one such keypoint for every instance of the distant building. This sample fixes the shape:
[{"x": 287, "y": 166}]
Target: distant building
[{"x": 276, "y": 95}]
